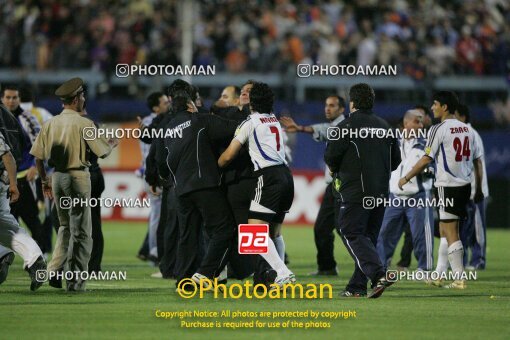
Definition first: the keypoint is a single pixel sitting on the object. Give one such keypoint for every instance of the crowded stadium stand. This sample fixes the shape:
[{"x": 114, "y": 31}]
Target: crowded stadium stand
[{"x": 463, "y": 46}]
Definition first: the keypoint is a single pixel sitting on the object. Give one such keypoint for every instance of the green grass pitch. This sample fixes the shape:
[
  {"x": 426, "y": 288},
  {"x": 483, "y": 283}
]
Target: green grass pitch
[{"x": 126, "y": 309}]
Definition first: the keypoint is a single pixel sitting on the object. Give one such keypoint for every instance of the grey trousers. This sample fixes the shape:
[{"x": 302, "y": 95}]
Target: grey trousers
[
  {"x": 12, "y": 236},
  {"x": 74, "y": 238}
]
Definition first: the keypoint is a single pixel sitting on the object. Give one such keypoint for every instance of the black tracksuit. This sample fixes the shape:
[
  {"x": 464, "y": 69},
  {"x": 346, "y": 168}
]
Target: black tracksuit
[
  {"x": 168, "y": 227},
  {"x": 239, "y": 184},
  {"x": 190, "y": 161},
  {"x": 362, "y": 168}
]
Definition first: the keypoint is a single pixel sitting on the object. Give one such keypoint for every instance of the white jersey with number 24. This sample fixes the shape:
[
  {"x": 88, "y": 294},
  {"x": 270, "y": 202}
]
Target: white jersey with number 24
[{"x": 453, "y": 146}]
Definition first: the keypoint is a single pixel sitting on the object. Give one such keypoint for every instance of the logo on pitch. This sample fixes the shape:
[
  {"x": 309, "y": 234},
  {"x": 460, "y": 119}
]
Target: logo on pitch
[{"x": 253, "y": 238}]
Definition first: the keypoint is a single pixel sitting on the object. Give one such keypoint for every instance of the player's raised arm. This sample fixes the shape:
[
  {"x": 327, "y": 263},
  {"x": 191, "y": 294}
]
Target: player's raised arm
[{"x": 291, "y": 126}]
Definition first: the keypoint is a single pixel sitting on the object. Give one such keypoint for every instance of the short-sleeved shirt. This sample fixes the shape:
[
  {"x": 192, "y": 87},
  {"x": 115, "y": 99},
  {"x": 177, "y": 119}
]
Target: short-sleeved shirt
[
  {"x": 263, "y": 133},
  {"x": 453, "y": 146},
  {"x": 61, "y": 142}
]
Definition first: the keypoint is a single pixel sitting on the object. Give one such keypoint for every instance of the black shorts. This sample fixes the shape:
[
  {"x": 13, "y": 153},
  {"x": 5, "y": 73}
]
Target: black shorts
[
  {"x": 453, "y": 201},
  {"x": 273, "y": 195}
]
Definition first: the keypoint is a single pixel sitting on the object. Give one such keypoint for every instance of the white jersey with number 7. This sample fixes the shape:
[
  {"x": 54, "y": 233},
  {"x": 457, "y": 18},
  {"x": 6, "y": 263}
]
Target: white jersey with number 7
[
  {"x": 263, "y": 133},
  {"x": 453, "y": 146}
]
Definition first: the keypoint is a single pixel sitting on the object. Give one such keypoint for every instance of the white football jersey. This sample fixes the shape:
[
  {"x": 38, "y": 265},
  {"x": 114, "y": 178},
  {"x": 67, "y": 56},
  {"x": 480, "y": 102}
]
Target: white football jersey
[
  {"x": 264, "y": 135},
  {"x": 453, "y": 146}
]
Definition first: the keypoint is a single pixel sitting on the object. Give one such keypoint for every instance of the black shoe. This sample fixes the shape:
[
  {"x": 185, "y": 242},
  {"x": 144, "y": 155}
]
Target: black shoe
[
  {"x": 331, "y": 272},
  {"x": 268, "y": 278},
  {"x": 38, "y": 273},
  {"x": 55, "y": 281},
  {"x": 379, "y": 288},
  {"x": 5, "y": 262},
  {"x": 349, "y": 294}
]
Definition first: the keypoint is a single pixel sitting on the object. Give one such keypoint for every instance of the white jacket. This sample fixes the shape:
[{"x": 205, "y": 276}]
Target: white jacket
[{"x": 411, "y": 151}]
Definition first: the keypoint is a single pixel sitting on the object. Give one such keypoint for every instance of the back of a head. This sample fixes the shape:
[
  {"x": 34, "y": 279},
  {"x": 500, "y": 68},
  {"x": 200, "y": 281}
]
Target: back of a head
[
  {"x": 153, "y": 99},
  {"x": 447, "y": 98},
  {"x": 180, "y": 100},
  {"x": 362, "y": 96},
  {"x": 26, "y": 95},
  {"x": 181, "y": 85},
  {"x": 463, "y": 111},
  {"x": 261, "y": 98}
]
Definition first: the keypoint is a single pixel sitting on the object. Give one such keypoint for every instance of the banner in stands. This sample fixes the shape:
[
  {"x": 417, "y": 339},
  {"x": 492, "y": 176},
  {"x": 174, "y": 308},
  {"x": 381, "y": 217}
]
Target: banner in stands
[{"x": 308, "y": 186}]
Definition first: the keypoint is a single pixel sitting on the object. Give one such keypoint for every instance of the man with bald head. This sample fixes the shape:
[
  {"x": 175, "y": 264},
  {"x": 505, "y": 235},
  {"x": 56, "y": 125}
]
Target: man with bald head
[
  {"x": 403, "y": 210},
  {"x": 230, "y": 95}
]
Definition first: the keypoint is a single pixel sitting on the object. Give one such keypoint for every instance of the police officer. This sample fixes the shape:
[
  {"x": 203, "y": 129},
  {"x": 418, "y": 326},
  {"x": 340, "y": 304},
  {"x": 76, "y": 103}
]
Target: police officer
[
  {"x": 189, "y": 160},
  {"x": 61, "y": 142},
  {"x": 362, "y": 168}
]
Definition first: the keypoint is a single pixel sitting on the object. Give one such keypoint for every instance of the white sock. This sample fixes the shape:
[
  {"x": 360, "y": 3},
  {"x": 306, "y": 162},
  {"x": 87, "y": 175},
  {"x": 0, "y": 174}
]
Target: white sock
[
  {"x": 455, "y": 256},
  {"x": 26, "y": 247},
  {"x": 442, "y": 257},
  {"x": 275, "y": 261},
  {"x": 280, "y": 247}
]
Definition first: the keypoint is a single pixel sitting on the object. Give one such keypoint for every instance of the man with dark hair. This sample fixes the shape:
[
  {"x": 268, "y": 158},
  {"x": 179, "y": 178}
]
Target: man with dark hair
[
  {"x": 26, "y": 207},
  {"x": 361, "y": 169},
  {"x": 325, "y": 223},
  {"x": 362, "y": 96},
  {"x": 473, "y": 229},
  {"x": 190, "y": 162},
  {"x": 158, "y": 103},
  {"x": 274, "y": 193},
  {"x": 453, "y": 146},
  {"x": 178, "y": 85},
  {"x": 11, "y": 234}
]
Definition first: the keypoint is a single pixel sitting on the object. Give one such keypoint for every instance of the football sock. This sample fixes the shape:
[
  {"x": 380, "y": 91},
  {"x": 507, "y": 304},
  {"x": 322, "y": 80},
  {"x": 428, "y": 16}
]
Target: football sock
[
  {"x": 280, "y": 247},
  {"x": 455, "y": 256},
  {"x": 275, "y": 261},
  {"x": 442, "y": 256}
]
